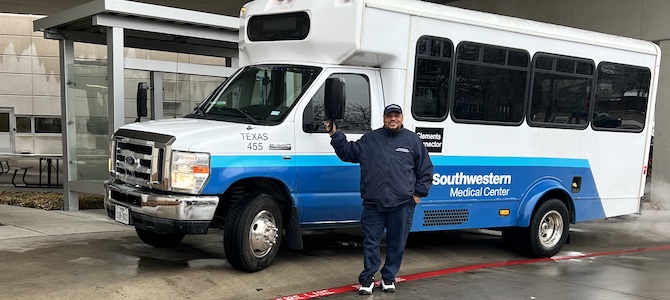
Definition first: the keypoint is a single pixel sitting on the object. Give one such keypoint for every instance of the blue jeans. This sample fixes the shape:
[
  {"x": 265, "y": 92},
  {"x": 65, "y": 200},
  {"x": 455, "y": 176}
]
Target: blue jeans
[{"x": 397, "y": 223}]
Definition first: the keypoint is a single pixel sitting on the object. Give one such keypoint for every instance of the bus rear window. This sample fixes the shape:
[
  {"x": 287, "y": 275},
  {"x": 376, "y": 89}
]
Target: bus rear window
[{"x": 293, "y": 26}]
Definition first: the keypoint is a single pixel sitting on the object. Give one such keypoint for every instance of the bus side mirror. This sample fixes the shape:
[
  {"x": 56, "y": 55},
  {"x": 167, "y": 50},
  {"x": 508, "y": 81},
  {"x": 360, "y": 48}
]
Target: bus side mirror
[
  {"x": 142, "y": 88},
  {"x": 334, "y": 99}
]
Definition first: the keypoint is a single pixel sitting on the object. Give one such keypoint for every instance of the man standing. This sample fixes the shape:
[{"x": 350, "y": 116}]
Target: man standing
[{"x": 396, "y": 172}]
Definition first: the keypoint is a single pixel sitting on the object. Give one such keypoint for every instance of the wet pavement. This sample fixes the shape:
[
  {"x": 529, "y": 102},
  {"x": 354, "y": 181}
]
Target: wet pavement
[
  {"x": 83, "y": 255},
  {"x": 630, "y": 276}
]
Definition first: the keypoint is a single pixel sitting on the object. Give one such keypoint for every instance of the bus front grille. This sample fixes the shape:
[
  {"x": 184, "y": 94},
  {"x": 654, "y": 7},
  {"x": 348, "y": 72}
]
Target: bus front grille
[{"x": 141, "y": 158}]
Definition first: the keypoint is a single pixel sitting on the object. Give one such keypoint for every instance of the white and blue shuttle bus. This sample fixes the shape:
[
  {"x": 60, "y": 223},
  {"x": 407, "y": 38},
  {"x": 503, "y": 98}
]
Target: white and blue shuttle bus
[{"x": 530, "y": 126}]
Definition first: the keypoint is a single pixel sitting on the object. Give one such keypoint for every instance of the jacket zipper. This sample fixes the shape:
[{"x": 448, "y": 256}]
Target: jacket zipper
[{"x": 388, "y": 166}]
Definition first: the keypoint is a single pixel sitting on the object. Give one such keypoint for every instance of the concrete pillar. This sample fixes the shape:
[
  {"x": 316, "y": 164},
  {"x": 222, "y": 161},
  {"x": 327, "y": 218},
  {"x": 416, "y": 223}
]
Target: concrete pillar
[
  {"x": 115, "y": 67},
  {"x": 660, "y": 178},
  {"x": 156, "y": 82},
  {"x": 70, "y": 198}
]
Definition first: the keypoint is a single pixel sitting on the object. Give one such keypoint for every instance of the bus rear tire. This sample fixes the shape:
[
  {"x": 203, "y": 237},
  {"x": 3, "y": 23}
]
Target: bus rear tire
[
  {"x": 159, "y": 240},
  {"x": 548, "y": 230},
  {"x": 252, "y": 234}
]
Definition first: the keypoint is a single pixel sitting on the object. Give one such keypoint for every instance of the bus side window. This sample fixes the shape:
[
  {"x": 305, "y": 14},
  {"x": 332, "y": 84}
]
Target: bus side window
[
  {"x": 561, "y": 91},
  {"x": 621, "y": 97},
  {"x": 490, "y": 83},
  {"x": 356, "y": 113},
  {"x": 431, "y": 78}
]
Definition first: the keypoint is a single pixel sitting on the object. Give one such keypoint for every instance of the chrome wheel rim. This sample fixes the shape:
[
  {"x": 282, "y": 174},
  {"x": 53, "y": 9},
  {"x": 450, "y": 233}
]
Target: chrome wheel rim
[
  {"x": 551, "y": 229},
  {"x": 263, "y": 234}
]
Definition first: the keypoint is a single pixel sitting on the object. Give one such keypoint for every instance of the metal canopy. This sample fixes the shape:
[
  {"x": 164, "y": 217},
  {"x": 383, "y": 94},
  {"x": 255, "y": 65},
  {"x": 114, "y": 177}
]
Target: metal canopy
[
  {"x": 120, "y": 24},
  {"x": 146, "y": 26}
]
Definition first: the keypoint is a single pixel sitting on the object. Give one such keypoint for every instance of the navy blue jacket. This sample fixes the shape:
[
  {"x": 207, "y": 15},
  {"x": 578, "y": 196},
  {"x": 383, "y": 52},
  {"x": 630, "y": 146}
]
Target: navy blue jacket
[{"x": 394, "y": 165}]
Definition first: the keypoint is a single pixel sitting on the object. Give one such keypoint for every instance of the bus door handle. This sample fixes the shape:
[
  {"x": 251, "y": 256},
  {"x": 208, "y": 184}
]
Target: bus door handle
[{"x": 286, "y": 157}]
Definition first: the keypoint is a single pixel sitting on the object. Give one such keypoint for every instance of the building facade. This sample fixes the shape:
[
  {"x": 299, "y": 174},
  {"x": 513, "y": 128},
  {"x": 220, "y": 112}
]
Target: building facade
[
  {"x": 30, "y": 107},
  {"x": 30, "y": 113}
]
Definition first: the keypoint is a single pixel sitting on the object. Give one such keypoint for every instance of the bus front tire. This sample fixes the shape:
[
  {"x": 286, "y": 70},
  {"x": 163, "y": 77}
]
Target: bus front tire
[
  {"x": 252, "y": 235},
  {"x": 159, "y": 240},
  {"x": 548, "y": 230}
]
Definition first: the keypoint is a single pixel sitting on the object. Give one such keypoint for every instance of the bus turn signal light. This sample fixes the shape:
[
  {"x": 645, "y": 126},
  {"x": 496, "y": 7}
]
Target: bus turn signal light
[
  {"x": 504, "y": 212},
  {"x": 201, "y": 169}
]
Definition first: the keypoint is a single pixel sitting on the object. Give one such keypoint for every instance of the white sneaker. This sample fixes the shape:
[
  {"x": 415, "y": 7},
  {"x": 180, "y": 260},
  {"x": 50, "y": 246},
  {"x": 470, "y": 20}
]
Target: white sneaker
[
  {"x": 367, "y": 287},
  {"x": 388, "y": 286}
]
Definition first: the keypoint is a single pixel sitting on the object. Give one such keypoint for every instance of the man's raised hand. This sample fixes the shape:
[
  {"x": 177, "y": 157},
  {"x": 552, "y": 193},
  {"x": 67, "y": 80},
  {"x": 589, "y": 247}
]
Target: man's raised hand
[{"x": 330, "y": 126}]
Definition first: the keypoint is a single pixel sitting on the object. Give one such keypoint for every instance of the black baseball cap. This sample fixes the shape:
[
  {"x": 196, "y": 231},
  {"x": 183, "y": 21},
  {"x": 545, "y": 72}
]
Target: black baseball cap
[{"x": 392, "y": 108}]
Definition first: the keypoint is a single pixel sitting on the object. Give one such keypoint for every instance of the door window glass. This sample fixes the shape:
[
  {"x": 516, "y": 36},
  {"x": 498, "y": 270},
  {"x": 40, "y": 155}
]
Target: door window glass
[
  {"x": 356, "y": 112},
  {"x": 4, "y": 122}
]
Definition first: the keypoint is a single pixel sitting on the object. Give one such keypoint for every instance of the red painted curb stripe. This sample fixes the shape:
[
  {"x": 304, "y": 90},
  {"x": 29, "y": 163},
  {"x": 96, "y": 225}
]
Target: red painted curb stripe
[{"x": 436, "y": 273}]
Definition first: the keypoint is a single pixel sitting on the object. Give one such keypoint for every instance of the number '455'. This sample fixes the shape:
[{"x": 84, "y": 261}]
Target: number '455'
[{"x": 255, "y": 146}]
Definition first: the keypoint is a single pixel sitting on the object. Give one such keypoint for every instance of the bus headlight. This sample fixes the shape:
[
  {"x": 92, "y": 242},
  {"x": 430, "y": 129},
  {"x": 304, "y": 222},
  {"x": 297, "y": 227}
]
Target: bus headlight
[{"x": 189, "y": 171}]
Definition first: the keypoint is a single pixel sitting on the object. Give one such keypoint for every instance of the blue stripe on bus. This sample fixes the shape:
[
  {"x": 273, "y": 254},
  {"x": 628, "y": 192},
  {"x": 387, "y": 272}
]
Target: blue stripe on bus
[
  {"x": 326, "y": 189},
  {"x": 509, "y": 161},
  {"x": 251, "y": 161}
]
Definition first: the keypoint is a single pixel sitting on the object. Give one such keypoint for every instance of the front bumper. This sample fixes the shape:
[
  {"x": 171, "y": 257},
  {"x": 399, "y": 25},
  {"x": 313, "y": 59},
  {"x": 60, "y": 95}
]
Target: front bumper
[{"x": 162, "y": 212}]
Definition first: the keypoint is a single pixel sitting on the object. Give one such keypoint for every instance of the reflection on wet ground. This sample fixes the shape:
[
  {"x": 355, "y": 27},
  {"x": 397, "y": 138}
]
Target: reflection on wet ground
[{"x": 117, "y": 265}]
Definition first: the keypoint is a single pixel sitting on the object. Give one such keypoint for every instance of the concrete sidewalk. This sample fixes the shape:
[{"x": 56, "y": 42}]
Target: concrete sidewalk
[{"x": 21, "y": 222}]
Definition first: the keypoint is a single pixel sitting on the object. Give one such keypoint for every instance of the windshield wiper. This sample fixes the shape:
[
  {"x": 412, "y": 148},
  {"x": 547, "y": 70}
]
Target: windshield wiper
[
  {"x": 199, "y": 111},
  {"x": 249, "y": 117}
]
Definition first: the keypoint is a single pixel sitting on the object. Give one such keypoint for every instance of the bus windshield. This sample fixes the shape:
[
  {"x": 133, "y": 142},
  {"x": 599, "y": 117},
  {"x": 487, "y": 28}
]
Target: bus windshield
[{"x": 259, "y": 94}]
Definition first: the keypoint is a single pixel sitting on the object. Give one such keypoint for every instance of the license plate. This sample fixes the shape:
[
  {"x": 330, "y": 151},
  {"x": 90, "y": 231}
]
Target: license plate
[{"x": 122, "y": 214}]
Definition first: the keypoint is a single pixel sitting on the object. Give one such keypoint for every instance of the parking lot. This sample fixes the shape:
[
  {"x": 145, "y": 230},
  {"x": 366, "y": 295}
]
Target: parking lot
[{"x": 83, "y": 255}]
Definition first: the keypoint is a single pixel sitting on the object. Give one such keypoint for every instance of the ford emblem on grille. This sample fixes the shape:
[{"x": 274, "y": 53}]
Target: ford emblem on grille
[{"x": 130, "y": 160}]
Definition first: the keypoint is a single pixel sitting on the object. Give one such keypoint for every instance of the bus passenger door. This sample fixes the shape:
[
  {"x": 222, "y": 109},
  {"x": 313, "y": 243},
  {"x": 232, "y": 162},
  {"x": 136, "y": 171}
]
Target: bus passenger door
[{"x": 329, "y": 189}]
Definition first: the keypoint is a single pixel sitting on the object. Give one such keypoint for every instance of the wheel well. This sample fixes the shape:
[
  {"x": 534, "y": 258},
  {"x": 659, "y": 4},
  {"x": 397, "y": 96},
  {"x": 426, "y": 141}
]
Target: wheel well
[
  {"x": 237, "y": 190},
  {"x": 559, "y": 195}
]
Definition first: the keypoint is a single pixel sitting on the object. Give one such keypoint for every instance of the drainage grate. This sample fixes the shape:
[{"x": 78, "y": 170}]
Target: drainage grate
[{"x": 442, "y": 217}]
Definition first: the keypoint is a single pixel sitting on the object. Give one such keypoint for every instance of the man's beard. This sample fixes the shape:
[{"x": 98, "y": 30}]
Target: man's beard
[{"x": 393, "y": 129}]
